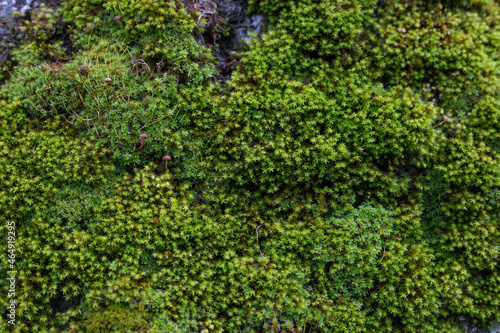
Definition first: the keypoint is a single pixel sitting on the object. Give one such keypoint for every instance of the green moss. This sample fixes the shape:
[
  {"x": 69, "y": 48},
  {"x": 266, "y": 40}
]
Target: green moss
[
  {"x": 135, "y": 100},
  {"x": 160, "y": 29},
  {"x": 345, "y": 179}
]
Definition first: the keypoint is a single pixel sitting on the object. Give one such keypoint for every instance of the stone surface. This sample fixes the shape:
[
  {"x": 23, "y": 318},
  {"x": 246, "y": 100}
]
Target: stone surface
[
  {"x": 7, "y": 7},
  {"x": 242, "y": 28},
  {"x": 244, "y": 25},
  {"x": 495, "y": 328}
]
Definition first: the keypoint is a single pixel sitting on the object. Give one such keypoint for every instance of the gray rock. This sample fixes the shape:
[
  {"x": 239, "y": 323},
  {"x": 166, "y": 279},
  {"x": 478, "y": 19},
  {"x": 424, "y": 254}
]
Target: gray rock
[
  {"x": 7, "y": 7},
  {"x": 472, "y": 328},
  {"x": 495, "y": 328},
  {"x": 244, "y": 25}
]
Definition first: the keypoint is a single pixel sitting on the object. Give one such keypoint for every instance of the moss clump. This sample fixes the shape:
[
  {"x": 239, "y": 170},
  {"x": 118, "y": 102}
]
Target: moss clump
[
  {"x": 124, "y": 84},
  {"x": 106, "y": 93},
  {"x": 161, "y": 30},
  {"x": 346, "y": 178}
]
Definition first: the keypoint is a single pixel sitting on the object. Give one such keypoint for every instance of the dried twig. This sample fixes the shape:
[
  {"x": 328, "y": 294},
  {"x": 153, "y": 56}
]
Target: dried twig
[
  {"x": 159, "y": 64},
  {"x": 206, "y": 8}
]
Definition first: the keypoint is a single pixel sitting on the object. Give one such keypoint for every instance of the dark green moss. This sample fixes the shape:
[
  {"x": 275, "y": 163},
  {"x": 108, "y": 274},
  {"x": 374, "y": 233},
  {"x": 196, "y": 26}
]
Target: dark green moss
[{"x": 346, "y": 178}]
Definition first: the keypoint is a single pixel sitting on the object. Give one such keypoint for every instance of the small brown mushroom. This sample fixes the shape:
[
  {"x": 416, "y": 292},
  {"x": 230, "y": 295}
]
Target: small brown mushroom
[
  {"x": 142, "y": 136},
  {"x": 107, "y": 80},
  {"x": 33, "y": 150},
  {"x": 166, "y": 158}
]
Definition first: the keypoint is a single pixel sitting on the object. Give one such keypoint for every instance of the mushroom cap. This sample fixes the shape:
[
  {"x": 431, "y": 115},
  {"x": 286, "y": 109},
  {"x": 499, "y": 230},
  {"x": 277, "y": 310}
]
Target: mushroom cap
[
  {"x": 143, "y": 135},
  {"x": 108, "y": 79},
  {"x": 166, "y": 158}
]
